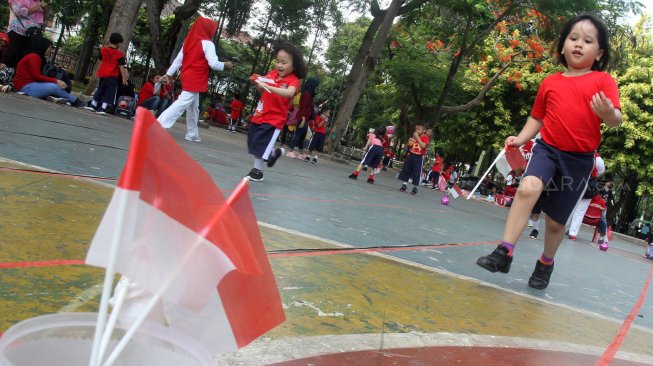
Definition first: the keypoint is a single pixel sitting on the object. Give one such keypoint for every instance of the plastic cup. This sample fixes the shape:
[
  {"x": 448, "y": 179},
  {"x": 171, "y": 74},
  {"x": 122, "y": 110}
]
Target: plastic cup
[{"x": 66, "y": 339}]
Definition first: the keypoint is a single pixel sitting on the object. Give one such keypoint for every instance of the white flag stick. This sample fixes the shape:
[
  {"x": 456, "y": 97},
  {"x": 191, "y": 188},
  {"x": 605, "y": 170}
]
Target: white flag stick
[
  {"x": 480, "y": 180},
  {"x": 108, "y": 280},
  {"x": 120, "y": 294}
]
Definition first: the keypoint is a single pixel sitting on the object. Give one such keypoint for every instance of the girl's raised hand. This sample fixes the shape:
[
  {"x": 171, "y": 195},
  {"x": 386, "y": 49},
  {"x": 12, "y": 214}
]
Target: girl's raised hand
[
  {"x": 602, "y": 106},
  {"x": 512, "y": 141}
]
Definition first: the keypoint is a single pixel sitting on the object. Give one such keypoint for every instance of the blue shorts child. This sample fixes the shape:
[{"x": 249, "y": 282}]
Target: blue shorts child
[
  {"x": 412, "y": 168},
  {"x": 565, "y": 176},
  {"x": 317, "y": 142},
  {"x": 373, "y": 156},
  {"x": 260, "y": 139}
]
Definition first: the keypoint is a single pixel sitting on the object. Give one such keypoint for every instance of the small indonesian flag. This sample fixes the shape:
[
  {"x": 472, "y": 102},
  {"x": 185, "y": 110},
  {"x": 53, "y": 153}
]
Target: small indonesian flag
[
  {"x": 455, "y": 191},
  {"x": 225, "y": 296},
  {"x": 511, "y": 160}
]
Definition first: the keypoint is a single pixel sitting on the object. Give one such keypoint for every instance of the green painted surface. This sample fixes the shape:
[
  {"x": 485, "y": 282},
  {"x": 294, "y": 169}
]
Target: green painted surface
[{"x": 48, "y": 217}]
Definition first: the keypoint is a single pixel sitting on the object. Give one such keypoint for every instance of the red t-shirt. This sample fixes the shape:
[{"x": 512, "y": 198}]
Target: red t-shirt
[
  {"x": 272, "y": 108},
  {"x": 438, "y": 164},
  {"x": 111, "y": 58},
  {"x": 416, "y": 149},
  {"x": 236, "y": 108},
  {"x": 28, "y": 71},
  {"x": 317, "y": 128},
  {"x": 147, "y": 91},
  {"x": 563, "y": 105}
]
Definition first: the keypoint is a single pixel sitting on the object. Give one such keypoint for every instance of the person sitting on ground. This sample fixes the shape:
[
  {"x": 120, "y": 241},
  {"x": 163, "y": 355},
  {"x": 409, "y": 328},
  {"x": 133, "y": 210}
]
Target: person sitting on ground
[
  {"x": 29, "y": 79},
  {"x": 151, "y": 98}
]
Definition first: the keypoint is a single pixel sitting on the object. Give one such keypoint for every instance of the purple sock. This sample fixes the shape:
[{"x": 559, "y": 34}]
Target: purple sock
[
  {"x": 546, "y": 260},
  {"x": 508, "y": 246}
]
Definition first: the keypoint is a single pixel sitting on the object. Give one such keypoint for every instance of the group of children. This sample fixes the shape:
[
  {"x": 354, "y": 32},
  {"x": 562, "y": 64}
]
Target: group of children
[{"x": 568, "y": 111}]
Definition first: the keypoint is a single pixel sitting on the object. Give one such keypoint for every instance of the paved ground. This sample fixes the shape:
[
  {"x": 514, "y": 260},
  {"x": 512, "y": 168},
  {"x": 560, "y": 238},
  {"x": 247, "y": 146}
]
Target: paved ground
[{"x": 413, "y": 290}]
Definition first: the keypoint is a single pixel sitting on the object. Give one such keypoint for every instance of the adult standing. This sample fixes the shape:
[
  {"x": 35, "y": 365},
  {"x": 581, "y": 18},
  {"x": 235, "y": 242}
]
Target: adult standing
[
  {"x": 23, "y": 14},
  {"x": 305, "y": 114}
]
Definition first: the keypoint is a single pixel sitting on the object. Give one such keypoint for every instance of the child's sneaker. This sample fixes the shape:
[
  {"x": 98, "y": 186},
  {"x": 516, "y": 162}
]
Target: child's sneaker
[
  {"x": 314, "y": 160},
  {"x": 353, "y": 176},
  {"x": 365, "y": 168},
  {"x": 255, "y": 175},
  {"x": 272, "y": 159},
  {"x": 370, "y": 180},
  {"x": 307, "y": 159},
  {"x": 414, "y": 191},
  {"x": 541, "y": 276},
  {"x": 534, "y": 234},
  {"x": 78, "y": 104},
  {"x": 403, "y": 188},
  {"x": 498, "y": 260}
]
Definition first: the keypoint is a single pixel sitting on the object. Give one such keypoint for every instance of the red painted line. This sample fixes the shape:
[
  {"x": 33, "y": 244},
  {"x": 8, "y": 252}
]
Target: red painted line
[
  {"x": 62, "y": 262},
  {"x": 343, "y": 202},
  {"x": 611, "y": 351},
  {"x": 32, "y": 171},
  {"x": 376, "y": 250}
]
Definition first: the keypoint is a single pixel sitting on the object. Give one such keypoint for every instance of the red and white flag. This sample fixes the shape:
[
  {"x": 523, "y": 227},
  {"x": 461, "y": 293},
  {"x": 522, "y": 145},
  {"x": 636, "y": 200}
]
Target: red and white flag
[
  {"x": 455, "y": 191},
  {"x": 225, "y": 294},
  {"x": 511, "y": 160}
]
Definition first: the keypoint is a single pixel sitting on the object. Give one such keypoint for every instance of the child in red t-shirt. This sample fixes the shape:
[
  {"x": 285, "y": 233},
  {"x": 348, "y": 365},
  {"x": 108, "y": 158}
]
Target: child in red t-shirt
[
  {"x": 316, "y": 145},
  {"x": 236, "y": 108},
  {"x": 568, "y": 111},
  {"x": 277, "y": 88},
  {"x": 111, "y": 67},
  {"x": 414, "y": 160}
]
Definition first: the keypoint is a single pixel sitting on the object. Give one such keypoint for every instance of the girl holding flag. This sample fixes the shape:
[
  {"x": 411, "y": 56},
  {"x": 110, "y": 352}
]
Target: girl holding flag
[
  {"x": 568, "y": 111},
  {"x": 196, "y": 58}
]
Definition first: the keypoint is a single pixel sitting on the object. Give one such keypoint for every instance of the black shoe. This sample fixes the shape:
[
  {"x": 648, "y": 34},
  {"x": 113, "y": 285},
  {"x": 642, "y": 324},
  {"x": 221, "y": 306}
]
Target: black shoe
[
  {"x": 414, "y": 191},
  {"x": 353, "y": 176},
  {"x": 403, "y": 189},
  {"x": 255, "y": 175},
  {"x": 370, "y": 180},
  {"x": 364, "y": 168},
  {"x": 384, "y": 169},
  {"x": 78, "y": 104},
  {"x": 307, "y": 159},
  {"x": 498, "y": 260},
  {"x": 278, "y": 152},
  {"x": 541, "y": 276},
  {"x": 534, "y": 234}
]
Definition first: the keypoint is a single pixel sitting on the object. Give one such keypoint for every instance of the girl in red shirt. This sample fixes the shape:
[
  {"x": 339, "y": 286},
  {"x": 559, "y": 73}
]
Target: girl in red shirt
[
  {"x": 316, "y": 145},
  {"x": 277, "y": 89},
  {"x": 568, "y": 111}
]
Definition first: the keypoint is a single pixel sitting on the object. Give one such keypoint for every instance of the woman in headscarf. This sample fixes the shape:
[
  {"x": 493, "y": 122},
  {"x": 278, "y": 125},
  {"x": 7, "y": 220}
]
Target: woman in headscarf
[
  {"x": 306, "y": 113},
  {"x": 30, "y": 80},
  {"x": 196, "y": 59}
]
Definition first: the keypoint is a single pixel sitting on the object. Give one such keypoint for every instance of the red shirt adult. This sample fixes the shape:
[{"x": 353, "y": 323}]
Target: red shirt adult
[
  {"x": 273, "y": 108},
  {"x": 147, "y": 91},
  {"x": 111, "y": 59},
  {"x": 236, "y": 107},
  {"x": 437, "y": 166},
  {"x": 28, "y": 71},
  {"x": 320, "y": 125},
  {"x": 416, "y": 149},
  {"x": 563, "y": 105}
]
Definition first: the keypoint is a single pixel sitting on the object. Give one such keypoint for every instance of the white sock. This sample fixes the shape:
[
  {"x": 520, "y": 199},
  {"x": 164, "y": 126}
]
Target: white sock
[
  {"x": 104, "y": 105},
  {"x": 258, "y": 163},
  {"x": 536, "y": 225},
  {"x": 94, "y": 103}
]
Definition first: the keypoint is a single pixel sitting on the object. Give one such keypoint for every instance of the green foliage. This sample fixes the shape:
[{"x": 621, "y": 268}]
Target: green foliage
[{"x": 73, "y": 44}]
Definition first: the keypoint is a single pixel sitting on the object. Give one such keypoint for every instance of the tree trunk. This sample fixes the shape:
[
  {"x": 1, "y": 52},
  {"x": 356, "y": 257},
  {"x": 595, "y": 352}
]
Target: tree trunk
[
  {"x": 154, "y": 23},
  {"x": 177, "y": 32},
  {"x": 625, "y": 209},
  {"x": 56, "y": 50},
  {"x": 89, "y": 44},
  {"x": 363, "y": 66},
  {"x": 123, "y": 21}
]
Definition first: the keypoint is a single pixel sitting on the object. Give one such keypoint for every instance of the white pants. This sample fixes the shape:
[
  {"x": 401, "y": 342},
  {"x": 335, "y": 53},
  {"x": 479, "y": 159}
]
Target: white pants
[
  {"x": 189, "y": 102},
  {"x": 577, "y": 216}
]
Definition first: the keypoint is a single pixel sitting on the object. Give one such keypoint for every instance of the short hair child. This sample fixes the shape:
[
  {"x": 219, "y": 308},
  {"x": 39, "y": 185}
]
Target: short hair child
[
  {"x": 412, "y": 168},
  {"x": 316, "y": 145},
  {"x": 112, "y": 66},
  {"x": 563, "y": 157},
  {"x": 277, "y": 88},
  {"x": 373, "y": 154}
]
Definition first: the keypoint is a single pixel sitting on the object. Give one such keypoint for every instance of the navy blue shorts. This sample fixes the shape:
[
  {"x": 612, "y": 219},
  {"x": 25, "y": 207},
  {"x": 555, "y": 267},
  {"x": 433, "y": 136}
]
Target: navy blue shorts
[
  {"x": 412, "y": 168},
  {"x": 565, "y": 176},
  {"x": 373, "y": 156},
  {"x": 259, "y": 137},
  {"x": 317, "y": 142}
]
